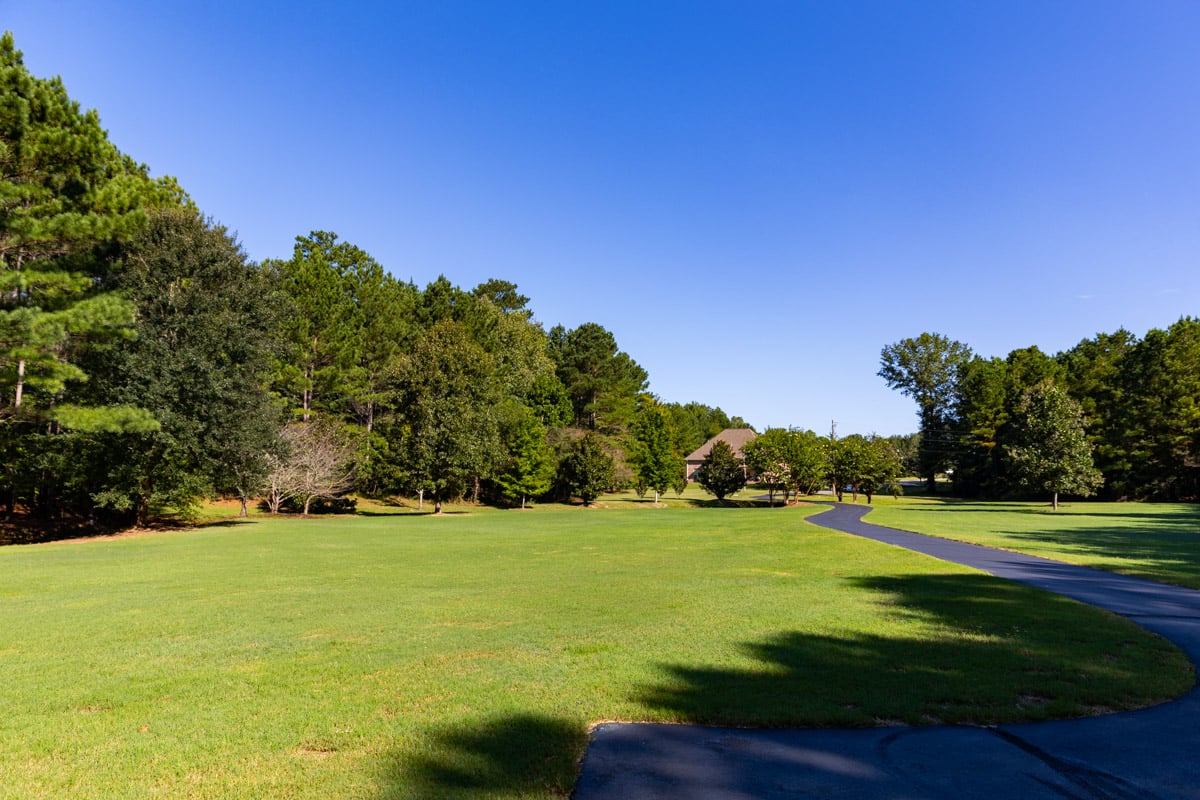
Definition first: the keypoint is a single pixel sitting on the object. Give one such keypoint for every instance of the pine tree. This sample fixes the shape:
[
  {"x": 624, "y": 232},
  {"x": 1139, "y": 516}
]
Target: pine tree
[{"x": 65, "y": 191}]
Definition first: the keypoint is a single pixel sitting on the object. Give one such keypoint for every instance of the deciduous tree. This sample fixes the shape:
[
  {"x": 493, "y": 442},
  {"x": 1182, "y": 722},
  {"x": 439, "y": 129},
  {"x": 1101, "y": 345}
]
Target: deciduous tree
[
  {"x": 587, "y": 470},
  {"x": 653, "y": 457},
  {"x": 1050, "y": 452},
  {"x": 200, "y": 364},
  {"x": 317, "y": 461},
  {"x": 531, "y": 466},
  {"x": 444, "y": 427},
  {"x": 926, "y": 369},
  {"x": 721, "y": 473}
]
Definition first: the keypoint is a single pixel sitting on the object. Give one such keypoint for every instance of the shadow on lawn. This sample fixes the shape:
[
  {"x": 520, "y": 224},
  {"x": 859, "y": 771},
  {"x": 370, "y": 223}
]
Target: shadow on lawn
[
  {"x": 991, "y": 652},
  {"x": 1167, "y": 542},
  {"x": 1166, "y": 550},
  {"x": 518, "y": 755}
]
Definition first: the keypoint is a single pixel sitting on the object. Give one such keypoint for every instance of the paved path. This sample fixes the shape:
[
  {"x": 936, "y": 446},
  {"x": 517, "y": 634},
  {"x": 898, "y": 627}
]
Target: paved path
[{"x": 1138, "y": 755}]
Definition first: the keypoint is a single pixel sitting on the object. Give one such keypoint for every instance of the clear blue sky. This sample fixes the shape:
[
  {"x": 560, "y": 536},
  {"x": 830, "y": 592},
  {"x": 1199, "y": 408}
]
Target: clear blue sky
[{"x": 754, "y": 197}]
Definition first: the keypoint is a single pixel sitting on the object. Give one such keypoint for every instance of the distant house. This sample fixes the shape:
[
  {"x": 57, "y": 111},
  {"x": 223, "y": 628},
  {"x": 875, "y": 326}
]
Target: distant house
[{"x": 734, "y": 437}]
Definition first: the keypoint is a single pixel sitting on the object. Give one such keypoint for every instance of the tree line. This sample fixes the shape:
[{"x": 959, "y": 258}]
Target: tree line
[
  {"x": 790, "y": 462},
  {"x": 147, "y": 363},
  {"x": 1115, "y": 415}
]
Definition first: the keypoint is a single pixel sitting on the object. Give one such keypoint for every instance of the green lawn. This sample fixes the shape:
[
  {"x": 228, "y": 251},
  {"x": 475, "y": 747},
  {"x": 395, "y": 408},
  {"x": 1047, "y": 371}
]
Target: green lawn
[
  {"x": 392, "y": 656},
  {"x": 1159, "y": 541}
]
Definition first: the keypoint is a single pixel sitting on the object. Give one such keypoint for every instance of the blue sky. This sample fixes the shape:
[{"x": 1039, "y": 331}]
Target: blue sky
[{"x": 754, "y": 197}]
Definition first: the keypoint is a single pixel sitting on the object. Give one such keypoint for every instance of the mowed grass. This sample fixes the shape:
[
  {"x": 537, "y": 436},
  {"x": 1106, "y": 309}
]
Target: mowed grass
[
  {"x": 408, "y": 656},
  {"x": 1159, "y": 541}
]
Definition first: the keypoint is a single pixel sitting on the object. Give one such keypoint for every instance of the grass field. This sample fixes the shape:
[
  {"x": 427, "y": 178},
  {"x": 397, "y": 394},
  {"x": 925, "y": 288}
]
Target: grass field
[
  {"x": 1159, "y": 541},
  {"x": 410, "y": 656}
]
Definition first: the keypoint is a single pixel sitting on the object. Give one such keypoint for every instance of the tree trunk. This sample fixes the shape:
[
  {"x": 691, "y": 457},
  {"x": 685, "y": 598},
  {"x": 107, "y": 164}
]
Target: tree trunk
[
  {"x": 932, "y": 483},
  {"x": 243, "y": 512},
  {"x": 522, "y": 502},
  {"x": 1055, "y": 501},
  {"x": 307, "y": 500},
  {"x": 437, "y": 505},
  {"x": 20, "y": 383},
  {"x": 420, "y": 499}
]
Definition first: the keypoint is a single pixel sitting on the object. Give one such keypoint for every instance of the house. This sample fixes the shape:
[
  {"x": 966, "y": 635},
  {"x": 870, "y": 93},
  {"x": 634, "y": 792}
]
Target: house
[{"x": 734, "y": 437}]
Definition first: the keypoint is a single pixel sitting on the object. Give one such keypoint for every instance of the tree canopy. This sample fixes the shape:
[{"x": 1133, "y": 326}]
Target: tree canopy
[
  {"x": 1050, "y": 452},
  {"x": 927, "y": 370},
  {"x": 722, "y": 473}
]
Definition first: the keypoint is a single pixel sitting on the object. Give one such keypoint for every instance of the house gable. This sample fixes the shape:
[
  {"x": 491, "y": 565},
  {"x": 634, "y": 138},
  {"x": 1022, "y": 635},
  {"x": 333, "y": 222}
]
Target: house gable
[{"x": 734, "y": 437}]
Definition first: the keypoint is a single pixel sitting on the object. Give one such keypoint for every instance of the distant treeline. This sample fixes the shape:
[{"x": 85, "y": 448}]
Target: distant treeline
[
  {"x": 1137, "y": 402},
  {"x": 146, "y": 363}
]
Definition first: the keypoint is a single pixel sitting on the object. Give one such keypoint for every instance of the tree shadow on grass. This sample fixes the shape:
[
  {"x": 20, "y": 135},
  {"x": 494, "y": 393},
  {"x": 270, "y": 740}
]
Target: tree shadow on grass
[
  {"x": 989, "y": 651},
  {"x": 1169, "y": 550},
  {"x": 1168, "y": 544},
  {"x": 696, "y": 502},
  {"x": 518, "y": 755}
]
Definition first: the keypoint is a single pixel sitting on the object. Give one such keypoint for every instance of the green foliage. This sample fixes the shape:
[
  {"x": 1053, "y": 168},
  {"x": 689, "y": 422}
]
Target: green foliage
[
  {"x": 503, "y": 295},
  {"x": 199, "y": 363},
  {"x": 680, "y": 482},
  {"x": 65, "y": 191},
  {"x": 863, "y": 464},
  {"x": 1050, "y": 452},
  {"x": 1156, "y": 426},
  {"x": 652, "y": 455},
  {"x": 721, "y": 473},
  {"x": 806, "y": 458},
  {"x": 345, "y": 325},
  {"x": 444, "y": 428},
  {"x": 982, "y": 410},
  {"x": 1138, "y": 400},
  {"x": 602, "y": 382},
  {"x": 586, "y": 470},
  {"x": 531, "y": 465},
  {"x": 847, "y": 458},
  {"x": 766, "y": 456},
  {"x": 68, "y": 198},
  {"x": 548, "y": 400},
  {"x": 693, "y": 424},
  {"x": 111, "y": 419},
  {"x": 787, "y": 460},
  {"x": 879, "y": 468},
  {"x": 927, "y": 370}
]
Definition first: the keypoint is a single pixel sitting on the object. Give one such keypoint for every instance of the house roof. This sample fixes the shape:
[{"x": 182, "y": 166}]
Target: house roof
[{"x": 734, "y": 437}]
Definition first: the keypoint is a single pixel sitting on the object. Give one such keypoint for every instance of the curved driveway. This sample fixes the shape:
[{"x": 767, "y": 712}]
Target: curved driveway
[{"x": 1137, "y": 755}]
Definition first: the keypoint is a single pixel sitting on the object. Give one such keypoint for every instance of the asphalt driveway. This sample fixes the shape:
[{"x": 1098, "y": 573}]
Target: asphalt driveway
[{"x": 1138, "y": 755}]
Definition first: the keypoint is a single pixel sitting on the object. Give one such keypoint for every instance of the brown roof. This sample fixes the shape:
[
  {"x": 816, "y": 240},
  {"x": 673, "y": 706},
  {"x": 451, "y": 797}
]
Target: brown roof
[{"x": 734, "y": 437}]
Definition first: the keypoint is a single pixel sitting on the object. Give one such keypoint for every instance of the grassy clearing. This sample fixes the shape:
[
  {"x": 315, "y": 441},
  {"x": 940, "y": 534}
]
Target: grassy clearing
[
  {"x": 1159, "y": 541},
  {"x": 408, "y": 656}
]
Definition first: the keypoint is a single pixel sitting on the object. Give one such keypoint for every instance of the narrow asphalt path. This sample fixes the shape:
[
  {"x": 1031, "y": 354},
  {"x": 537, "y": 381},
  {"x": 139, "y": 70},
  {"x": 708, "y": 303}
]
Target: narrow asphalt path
[{"x": 1137, "y": 755}]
